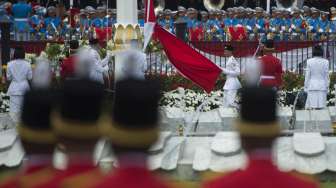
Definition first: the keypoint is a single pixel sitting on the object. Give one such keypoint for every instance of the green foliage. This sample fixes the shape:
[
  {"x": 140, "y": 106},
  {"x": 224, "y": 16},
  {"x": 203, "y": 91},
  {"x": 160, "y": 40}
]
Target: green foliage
[
  {"x": 292, "y": 80},
  {"x": 53, "y": 50}
]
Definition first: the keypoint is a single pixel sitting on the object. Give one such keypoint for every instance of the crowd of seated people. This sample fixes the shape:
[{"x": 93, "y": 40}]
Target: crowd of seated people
[{"x": 35, "y": 22}]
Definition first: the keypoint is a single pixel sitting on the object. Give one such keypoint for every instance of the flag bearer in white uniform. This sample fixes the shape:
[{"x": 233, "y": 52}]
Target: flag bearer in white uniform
[
  {"x": 232, "y": 84},
  {"x": 317, "y": 80},
  {"x": 19, "y": 73}
]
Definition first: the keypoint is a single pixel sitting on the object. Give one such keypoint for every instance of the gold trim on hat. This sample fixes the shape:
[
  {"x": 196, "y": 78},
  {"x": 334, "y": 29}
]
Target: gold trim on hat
[
  {"x": 36, "y": 136},
  {"x": 75, "y": 129},
  {"x": 258, "y": 130},
  {"x": 135, "y": 138}
]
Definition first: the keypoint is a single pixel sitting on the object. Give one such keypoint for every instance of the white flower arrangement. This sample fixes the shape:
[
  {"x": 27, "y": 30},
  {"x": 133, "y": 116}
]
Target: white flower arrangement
[
  {"x": 191, "y": 100},
  {"x": 4, "y": 101},
  {"x": 30, "y": 57}
]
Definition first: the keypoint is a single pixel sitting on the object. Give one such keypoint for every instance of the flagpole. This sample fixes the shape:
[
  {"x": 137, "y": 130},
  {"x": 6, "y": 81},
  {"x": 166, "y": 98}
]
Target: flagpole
[{"x": 124, "y": 18}]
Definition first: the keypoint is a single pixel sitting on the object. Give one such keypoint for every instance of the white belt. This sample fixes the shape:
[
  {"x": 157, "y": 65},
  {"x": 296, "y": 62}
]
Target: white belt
[
  {"x": 267, "y": 77},
  {"x": 21, "y": 19}
]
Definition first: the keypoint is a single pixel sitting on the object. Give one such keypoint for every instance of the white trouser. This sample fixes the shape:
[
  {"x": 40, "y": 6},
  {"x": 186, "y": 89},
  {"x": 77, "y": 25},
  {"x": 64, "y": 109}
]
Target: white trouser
[
  {"x": 15, "y": 103},
  {"x": 229, "y": 98}
]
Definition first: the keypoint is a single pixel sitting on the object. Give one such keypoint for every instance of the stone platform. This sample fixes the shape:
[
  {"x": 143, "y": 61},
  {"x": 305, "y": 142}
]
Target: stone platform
[
  {"x": 223, "y": 119},
  {"x": 212, "y": 144}
]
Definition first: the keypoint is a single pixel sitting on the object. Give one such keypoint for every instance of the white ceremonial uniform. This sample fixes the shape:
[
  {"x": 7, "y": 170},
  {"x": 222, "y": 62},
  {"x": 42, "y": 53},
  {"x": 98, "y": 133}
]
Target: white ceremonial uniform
[
  {"x": 100, "y": 67},
  {"x": 135, "y": 64},
  {"x": 317, "y": 82},
  {"x": 19, "y": 72},
  {"x": 232, "y": 83}
]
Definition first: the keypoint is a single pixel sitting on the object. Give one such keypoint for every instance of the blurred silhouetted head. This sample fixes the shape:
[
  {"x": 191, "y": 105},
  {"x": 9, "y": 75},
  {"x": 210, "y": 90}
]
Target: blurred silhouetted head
[
  {"x": 318, "y": 51},
  {"x": 19, "y": 53},
  {"x": 258, "y": 124}
]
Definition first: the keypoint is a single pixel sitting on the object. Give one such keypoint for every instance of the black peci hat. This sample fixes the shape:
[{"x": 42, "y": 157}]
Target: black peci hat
[
  {"x": 93, "y": 41},
  {"x": 229, "y": 48},
  {"x": 74, "y": 44},
  {"x": 134, "y": 114},
  {"x": 79, "y": 109},
  {"x": 35, "y": 124},
  {"x": 269, "y": 44},
  {"x": 258, "y": 112}
]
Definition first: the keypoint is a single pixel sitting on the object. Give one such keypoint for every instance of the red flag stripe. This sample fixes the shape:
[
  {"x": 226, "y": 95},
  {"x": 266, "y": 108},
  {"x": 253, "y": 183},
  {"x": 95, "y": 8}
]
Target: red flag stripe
[{"x": 150, "y": 14}]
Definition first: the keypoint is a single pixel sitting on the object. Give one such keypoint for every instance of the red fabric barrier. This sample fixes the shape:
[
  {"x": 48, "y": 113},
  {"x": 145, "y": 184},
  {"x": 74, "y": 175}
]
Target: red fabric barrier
[{"x": 248, "y": 48}]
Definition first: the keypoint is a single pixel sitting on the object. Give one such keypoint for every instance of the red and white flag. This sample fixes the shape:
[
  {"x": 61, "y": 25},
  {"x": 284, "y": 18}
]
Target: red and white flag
[
  {"x": 190, "y": 63},
  {"x": 149, "y": 22}
]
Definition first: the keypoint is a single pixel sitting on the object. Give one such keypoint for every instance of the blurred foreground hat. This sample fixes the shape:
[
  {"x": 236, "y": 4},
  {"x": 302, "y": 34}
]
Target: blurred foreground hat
[
  {"x": 79, "y": 110},
  {"x": 258, "y": 113},
  {"x": 74, "y": 44},
  {"x": 35, "y": 126},
  {"x": 134, "y": 114},
  {"x": 269, "y": 44}
]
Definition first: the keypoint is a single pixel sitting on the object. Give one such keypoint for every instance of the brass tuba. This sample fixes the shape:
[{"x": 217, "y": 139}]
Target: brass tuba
[
  {"x": 212, "y": 5},
  {"x": 159, "y": 5},
  {"x": 289, "y": 4}
]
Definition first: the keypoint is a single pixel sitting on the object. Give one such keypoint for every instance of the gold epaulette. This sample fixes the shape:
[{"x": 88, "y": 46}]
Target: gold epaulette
[
  {"x": 83, "y": 180},
  {"x": 210, "y": 175},
  {"x": 304, "y": 177},
  {"x": 6, "y": 179},
  {"x": 184, "y": 184}
]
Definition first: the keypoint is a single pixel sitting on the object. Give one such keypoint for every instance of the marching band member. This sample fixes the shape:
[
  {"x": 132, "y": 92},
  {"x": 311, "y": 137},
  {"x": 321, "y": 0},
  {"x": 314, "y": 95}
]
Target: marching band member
[
  {"x": 333, "y": 19},
  {"x": 141, "y": 18},
  {"x": 192, "y": 18},
  {"x": 182, "y": 13},
  {"x": 306, "y": 12},
  {"x": 313, "y": 24},
  {"x": 168, "y": 22},
  {"x": 52, "y": 23},
  {"x": 232, "y": 84},
  {"x": 19, "y": 73},
  {"x": 286, "y": 24},
  {"x": 37, "y": 23},
  {"x": 194, "y": 26},
  {"x": 214, "y": 29},
  {"x": 21, "y": 12},
  {"x": 324, "y": 25},
  {"x": 298, "y": 25},
  {"x": 98, "y": 21},
  {"x": 317, "y": 80}
]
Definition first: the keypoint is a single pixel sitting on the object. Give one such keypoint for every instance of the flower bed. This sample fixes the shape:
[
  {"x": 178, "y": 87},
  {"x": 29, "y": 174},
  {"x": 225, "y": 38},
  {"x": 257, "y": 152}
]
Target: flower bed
[{"x": 192, "y": 96}]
